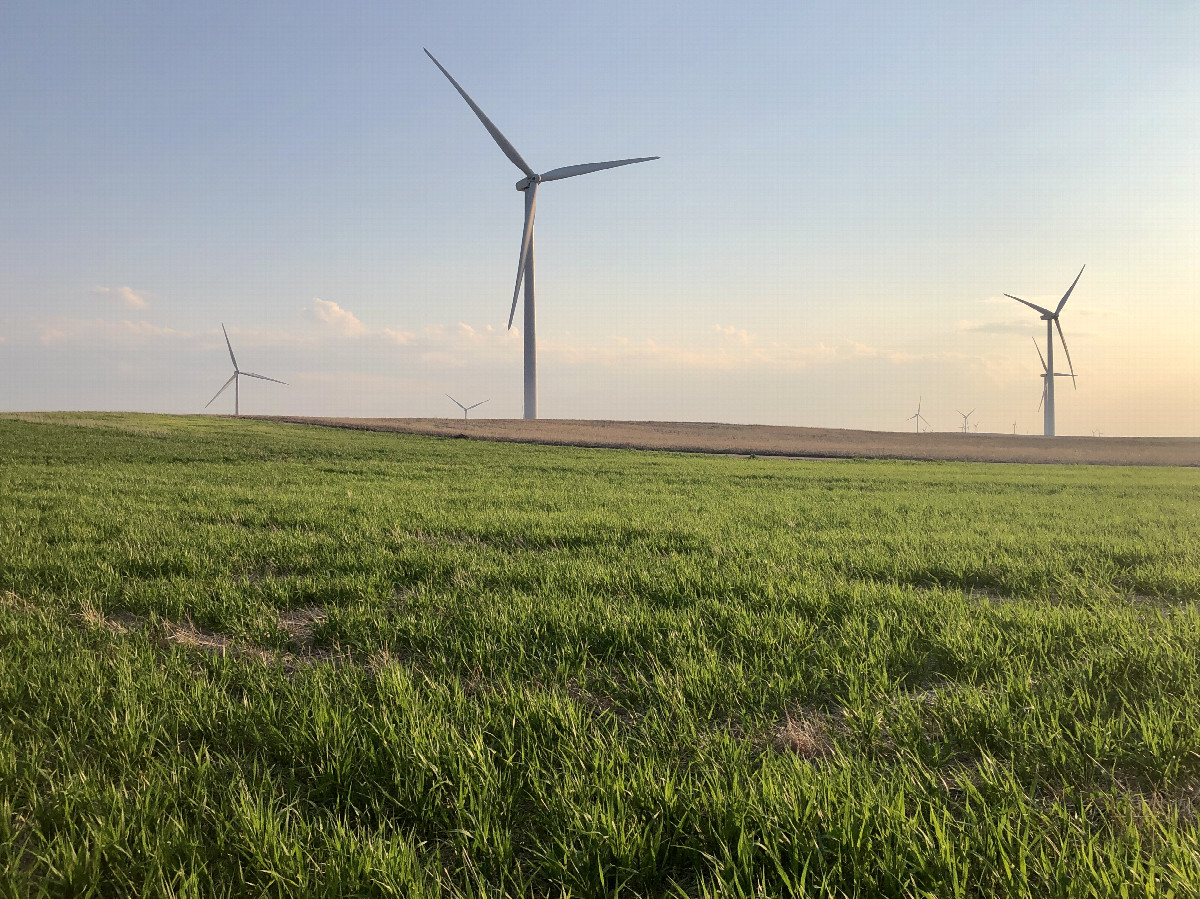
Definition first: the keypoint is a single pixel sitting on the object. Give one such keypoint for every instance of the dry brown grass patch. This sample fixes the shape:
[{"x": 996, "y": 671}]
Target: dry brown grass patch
[{"x": 806, "y": 735}]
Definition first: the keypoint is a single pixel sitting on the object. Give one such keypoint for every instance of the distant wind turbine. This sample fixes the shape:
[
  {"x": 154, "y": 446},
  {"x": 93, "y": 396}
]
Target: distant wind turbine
[
  {"x": 234, "y": 379},
  {"x": 918, "y": 416},
  {"x": 1047, "y": 382},
  {"x": 466, "y": 409},
  {"x": 529, "y": 185},
  {"x": 965, "y": 416},
  {"x": 1052, "y": 322}
]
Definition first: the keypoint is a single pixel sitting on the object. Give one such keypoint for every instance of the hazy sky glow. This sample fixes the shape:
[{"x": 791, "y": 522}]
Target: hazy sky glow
[{"x": 845, "y": 193}]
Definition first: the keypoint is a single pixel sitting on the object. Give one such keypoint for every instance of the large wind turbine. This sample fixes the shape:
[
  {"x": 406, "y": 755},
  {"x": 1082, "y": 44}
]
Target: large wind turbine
[
  {"x": 234, "y": 378},
  {"x": 529, "y": 184},
  {"x": 466, "y": 409},
  {"x": 965, "y": 416},
  {"x": 918, "y": 416},
  {"x": 1047, "y": 378},
  {"x": 1051, "y": 320}
]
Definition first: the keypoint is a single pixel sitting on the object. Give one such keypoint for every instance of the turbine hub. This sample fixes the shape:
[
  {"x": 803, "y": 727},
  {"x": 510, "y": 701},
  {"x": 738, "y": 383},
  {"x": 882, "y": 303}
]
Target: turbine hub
[{"x": 525, "y": 183}]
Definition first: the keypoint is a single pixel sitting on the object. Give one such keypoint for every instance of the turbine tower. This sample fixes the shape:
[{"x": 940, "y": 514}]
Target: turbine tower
[
  {"x": 1047, "y": 378},
  {"x": 1051, "y": 320},
  {"x": 466, "y": 409},
  {"x": 965, "y": 416},
  {"x": 234, "y": 379},
  {"x": 529, "y": 185},
  {"x": 918, "y": 416}
]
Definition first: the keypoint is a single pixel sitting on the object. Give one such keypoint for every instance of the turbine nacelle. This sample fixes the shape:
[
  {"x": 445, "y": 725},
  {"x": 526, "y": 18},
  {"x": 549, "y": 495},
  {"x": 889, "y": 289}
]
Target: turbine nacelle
[{"x": 528, "y": 181}]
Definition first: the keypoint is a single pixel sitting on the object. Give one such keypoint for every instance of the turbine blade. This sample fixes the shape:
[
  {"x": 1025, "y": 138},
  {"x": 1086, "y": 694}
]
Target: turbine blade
[
  {"x": 456, "y": 402},
  {"x": 1040, "y": 356},
  {"x": 530, "y": 211},
  {"x": 250, "y": 374},
  {"x": 509, "y": 150},
  {"x": 477, "y": 405},
  {"x": 222, "y": 390},
  {"x": 230, "y": 348},
  {"x": 1030, "y": 305},
  {"x": 1068, "y": 352},
  {"x": 1063, "y": 301},
  {"x": 1043, "y": 399},
  {"x": 969, "y": 414},
  {"x": 570, "y": 171}
]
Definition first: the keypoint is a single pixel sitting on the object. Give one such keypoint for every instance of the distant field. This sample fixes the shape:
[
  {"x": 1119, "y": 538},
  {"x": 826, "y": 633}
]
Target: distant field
[
  {"x": 254, "y": 658},
  {"x": 768, "y": 440}
]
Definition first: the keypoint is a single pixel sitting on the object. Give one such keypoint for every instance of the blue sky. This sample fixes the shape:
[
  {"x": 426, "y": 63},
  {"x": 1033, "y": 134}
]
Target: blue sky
[{"x": 845, "y": 193}]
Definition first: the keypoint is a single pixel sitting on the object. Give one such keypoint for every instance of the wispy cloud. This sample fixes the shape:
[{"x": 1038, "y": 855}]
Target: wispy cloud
[
  {"x": 401, "y": 338},
  {"x": 126, "y": 295},
  {"x": 78, "y": 331},
  {"x": 338, "y": 320},
  {"x": 741, "y": 335},
  {"x": 626, "y": 352},
  {"x": 1009, "y": 327}
]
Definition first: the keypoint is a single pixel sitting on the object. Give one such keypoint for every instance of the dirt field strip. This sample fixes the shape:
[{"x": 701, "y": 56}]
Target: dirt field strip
[{"x": 770, "y": 440}]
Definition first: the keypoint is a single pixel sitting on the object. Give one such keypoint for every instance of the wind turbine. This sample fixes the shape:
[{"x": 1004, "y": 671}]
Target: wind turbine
[
  {"x": 1051, "y": 320},
  {"x": 466, "y": 409},
  {"x": 1047, "y": 379},
  {"x": 529, "y": 185},
  {"x": 234, "y": 378},
  {"x": 918, "y": 416},
  {"x": 965, "y": 416}
]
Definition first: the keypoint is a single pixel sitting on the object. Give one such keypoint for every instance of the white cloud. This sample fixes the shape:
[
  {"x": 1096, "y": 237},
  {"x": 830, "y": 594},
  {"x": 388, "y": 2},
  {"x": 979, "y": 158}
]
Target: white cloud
[
  {"x": 341, "y": 321},
  {"x": 79, "y": 332},
  {"x": 1009, "y": 327},
  {"x": 623, "y": 352},
  {"x": 126, "y": 295},
  {"x": 402, "y": 338},
  {"x": 739, "y": 334}
]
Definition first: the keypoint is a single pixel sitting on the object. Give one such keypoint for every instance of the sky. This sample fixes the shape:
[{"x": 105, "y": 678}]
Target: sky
[{"x": 844, "y": 195}]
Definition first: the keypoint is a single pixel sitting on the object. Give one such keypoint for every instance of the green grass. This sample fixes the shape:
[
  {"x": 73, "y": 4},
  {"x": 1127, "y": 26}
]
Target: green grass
[{"x": 551, "y": 671}]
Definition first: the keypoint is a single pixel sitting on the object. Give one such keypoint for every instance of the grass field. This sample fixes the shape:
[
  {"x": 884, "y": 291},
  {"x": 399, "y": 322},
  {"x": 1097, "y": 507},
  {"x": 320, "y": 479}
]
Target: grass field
[{"x": 243, "y": 658}]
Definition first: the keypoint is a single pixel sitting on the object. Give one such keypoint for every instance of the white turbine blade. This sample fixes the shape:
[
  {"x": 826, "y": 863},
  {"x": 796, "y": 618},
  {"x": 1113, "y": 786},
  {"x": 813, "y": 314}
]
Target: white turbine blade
[
  {"x": 1043, "y": 399},
  {"x": 509, "y": 150},
  {"x": 1068, "y": 352},
  {"x": 250, "y": 374},
  {"x": 530, "y": 212},
  {"x": 1063, "y": 301},
  {"x": 477, "y": 405},
  {"x": 232, "y": 378},
  {"x": 456, "y": 402},
  {"x": 969, "y": 414},
  {"x": 570, "y": 171},
  {"x": 1040, "y": 356},
  {"x": 230, "y": 348},
  {"x": 1030, "y": 305}
]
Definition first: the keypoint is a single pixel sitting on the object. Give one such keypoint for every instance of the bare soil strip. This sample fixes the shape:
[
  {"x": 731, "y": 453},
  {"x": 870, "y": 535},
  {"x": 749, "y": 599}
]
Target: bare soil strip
[{"x": 770, "y": 440}]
